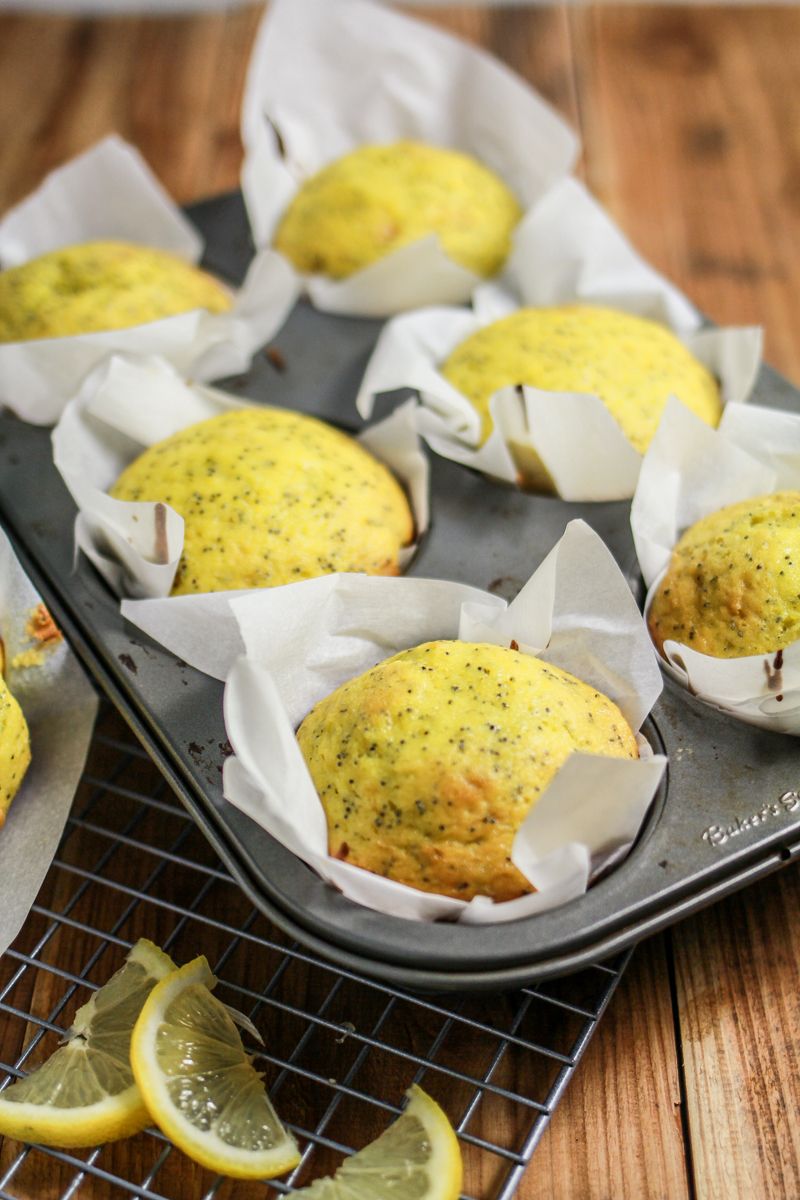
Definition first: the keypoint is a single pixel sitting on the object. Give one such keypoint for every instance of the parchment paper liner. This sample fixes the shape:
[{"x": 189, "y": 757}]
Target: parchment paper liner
[
  {"x": 691, "y": 471},
  {"x": 60, "y": 707},
  {"x": 567, "y": 251},
  {"x": 127, "y": 404},
  {"x": 110, "y": 193},
  {"x": 325, "y": 78},
  {"x": 303, "y": 640}
]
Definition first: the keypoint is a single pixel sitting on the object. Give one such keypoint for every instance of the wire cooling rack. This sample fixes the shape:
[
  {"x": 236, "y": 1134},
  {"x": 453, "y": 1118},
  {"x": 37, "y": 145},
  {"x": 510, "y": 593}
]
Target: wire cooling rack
[{"x": 340, "y": 1050}]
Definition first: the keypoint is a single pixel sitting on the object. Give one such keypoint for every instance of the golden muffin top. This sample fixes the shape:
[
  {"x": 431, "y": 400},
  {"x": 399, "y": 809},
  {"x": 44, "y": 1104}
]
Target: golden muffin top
[
  {"x": 427, "y": 764},
  {"x": 98, "y": 286},
  {"x": 271, "y": 497},
  {"x": 378, "y": 198},
  {"x": 732, "y": 587},
  {"x": 15, "y": 748},
  {"x": 632, "y": 364}
]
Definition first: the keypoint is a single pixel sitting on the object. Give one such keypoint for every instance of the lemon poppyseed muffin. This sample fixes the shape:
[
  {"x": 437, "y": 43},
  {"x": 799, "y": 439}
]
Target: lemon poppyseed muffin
[
  {"x": 376, "y": 199},
  {"x": 732, "y": 587},
  {"x": 15, "y": 748},
  {"x": 632, "y": 364},
  {"x": 428, "y": 764},
  {"x": 271, "y": 497},
  {"x": 100, "y": 286}
]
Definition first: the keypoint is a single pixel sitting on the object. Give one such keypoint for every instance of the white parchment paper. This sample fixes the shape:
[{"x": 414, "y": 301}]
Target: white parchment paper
[
  {"x": 691, "y": 471},
  {"x": 60, "y": 707},
  {"x": 327, "y": 77},
  {"x": 568, "y": 250},
  {"x": 127, "y": 404},
  {"x": 304, "y": 640},
  {"x": 110, "y": 193}
]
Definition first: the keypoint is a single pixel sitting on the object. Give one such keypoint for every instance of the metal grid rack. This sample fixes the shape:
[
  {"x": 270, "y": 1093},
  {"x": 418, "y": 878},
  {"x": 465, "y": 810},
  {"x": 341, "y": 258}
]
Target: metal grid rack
[{"x": 340, "y": 1049}]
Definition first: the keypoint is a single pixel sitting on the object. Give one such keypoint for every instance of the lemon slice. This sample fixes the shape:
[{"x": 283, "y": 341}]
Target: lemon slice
[
  {"x": 416, "y": 1158},
  {"x": 199, "y": 1084},
  {"x": 85, "y": 1092}
]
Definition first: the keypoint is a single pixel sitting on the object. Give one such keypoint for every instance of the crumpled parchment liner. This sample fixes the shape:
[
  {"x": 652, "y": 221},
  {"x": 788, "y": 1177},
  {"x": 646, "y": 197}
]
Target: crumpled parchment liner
[
  {"x": 128, "y": 404},
  {"x": 568, "y": 250},
  {"x": 109, "y": 192},
  {"x": 60, "y": 707},
  {"x": 305, "y": 639},
  {"x": 327, "y": 77},
  {"x": 691, "y": 471}
]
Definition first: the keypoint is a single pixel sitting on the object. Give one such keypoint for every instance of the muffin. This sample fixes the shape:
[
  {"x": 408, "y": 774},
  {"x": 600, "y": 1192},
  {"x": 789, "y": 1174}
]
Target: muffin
[
  {"x": 732, "y": 587},
  {"x": 15, "y": 748},
  {"x": 100, "y": 286},
  {"x": 634, "y": 365},
  {"x": 379, "y": 198},
  {"x": 428, "y": 764},
  {"x": 271, "y": 497}
]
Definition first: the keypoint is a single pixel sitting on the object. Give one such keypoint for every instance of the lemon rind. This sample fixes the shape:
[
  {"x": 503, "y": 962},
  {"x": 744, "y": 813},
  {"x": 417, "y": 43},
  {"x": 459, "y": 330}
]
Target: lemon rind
[
  {"x": 446, "y": 1165},
  {"x": 75, "y": 1128},
  {"x": 204, "y": 1147},
  {"x": 157, "y": 962}
]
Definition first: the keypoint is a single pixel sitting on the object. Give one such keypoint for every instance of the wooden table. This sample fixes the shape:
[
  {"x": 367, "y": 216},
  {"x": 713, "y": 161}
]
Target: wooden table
[{"x": 689, "y": 121}]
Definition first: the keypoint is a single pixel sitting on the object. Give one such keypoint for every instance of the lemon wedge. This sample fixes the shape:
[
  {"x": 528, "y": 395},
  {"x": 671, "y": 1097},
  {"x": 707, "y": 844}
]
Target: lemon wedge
[
  {"x": 85, "y": 1092},
  {"x": 198, "y": 1082},
  {"x": 416, "y": 1158}
]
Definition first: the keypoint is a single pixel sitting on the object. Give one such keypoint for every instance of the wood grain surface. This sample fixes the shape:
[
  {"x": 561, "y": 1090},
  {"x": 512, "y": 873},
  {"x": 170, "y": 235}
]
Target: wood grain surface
[{"x": 688, "y": 117}]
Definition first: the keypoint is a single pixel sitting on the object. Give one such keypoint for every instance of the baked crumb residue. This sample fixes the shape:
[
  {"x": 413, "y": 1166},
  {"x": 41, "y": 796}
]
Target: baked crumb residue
[
  {"x": 377, "y": 199},
  {"x": 42, "y": 628},
  {"x": 43, "y": 633}
]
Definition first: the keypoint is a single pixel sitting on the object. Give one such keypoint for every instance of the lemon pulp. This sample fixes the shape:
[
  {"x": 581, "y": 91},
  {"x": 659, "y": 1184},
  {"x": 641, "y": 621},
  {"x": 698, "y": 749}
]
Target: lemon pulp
[
  {"x": 199, "y": 1084},
  {"x": 416, "y": 1158}
]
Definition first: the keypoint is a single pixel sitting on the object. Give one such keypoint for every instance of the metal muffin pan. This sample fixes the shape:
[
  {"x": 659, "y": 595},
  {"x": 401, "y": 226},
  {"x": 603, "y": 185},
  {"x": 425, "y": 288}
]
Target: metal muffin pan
[{"x": 727, "y": 814}]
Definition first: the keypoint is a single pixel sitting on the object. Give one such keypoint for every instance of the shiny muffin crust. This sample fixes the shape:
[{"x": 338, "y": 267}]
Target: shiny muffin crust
[{"x": 427, "y": 764}]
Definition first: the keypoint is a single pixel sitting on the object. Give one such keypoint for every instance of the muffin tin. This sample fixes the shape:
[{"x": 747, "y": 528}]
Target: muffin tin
[{"x": 728, "y": 813}]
